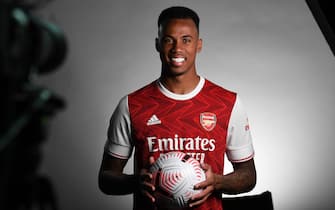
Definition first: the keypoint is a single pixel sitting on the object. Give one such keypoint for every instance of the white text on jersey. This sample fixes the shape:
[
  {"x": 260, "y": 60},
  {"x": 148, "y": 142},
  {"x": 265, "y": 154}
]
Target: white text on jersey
[{"x": 180, "y": 143}]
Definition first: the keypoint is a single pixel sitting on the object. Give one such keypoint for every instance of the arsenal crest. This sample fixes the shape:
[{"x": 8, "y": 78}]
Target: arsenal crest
[{"x": 208, "y": 120}]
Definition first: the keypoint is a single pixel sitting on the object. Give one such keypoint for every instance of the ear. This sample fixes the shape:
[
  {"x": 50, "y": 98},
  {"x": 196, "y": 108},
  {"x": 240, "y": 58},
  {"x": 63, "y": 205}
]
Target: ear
[
  {"x": 157, "y": 45},
  {"x": 199, "y": 45}
]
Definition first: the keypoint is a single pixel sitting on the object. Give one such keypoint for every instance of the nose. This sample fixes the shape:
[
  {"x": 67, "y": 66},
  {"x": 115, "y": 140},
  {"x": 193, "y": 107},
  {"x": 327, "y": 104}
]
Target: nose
[{"x": 177, "y": 46}]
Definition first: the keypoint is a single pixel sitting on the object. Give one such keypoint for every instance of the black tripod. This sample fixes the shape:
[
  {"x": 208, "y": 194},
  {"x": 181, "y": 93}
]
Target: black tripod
[{"x": 21, "y": 186}]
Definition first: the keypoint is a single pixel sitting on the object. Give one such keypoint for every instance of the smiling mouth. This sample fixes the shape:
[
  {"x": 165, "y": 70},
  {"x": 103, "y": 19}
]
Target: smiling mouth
[{"x": 178, "y": 61}]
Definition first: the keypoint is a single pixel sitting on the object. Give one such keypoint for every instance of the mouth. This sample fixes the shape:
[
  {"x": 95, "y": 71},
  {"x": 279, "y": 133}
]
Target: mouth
[{"x": 178, "y": 61}]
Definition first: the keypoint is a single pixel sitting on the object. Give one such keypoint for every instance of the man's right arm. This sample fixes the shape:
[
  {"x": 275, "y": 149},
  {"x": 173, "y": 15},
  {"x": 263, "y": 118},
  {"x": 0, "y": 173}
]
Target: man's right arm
[{"x": 112, "y": 180}]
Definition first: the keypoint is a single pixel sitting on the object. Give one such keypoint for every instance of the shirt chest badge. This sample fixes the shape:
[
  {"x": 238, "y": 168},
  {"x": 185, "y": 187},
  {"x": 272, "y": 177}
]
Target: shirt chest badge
[{"x": 208, "y": 120}]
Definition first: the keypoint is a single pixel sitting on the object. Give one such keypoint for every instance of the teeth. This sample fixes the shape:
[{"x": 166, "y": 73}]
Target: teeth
[{"x": 178, "y": 59}]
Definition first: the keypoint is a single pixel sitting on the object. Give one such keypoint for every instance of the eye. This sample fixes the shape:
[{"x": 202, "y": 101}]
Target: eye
[
  {"x": 167, "y": 40},
  {"x": 186, "y": 40}
]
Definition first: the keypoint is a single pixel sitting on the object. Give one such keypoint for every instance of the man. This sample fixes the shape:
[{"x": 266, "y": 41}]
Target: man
[{"x": 180, "y": 111}]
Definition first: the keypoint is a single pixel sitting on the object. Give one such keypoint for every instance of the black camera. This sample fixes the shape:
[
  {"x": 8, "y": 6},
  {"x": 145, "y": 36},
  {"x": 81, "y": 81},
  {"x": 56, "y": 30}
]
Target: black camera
[{"x": 29, "y": 46}]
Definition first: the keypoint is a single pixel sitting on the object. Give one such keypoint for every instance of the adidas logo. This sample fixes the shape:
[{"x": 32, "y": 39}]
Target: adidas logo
[{"x": 153, "y": 120}]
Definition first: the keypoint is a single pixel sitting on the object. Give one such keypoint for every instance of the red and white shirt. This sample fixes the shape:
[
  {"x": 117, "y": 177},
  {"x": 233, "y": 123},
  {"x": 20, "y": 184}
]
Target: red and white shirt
[{"x": 206, "y": 123}]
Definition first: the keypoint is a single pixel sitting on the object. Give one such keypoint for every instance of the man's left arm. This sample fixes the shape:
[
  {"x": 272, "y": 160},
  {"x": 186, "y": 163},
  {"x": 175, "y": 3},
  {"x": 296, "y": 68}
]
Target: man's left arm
[
  {"x": 242, "y": 179},
  {"x": 240, "y": 153}
]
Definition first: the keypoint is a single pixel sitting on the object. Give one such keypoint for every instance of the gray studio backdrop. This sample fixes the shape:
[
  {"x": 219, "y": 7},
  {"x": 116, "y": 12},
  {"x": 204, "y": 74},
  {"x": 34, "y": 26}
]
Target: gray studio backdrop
[{"x": 271, "y": 52}]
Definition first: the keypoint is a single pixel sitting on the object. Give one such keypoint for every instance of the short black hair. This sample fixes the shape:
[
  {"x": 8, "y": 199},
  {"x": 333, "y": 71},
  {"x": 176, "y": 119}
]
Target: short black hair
[{"x": 178, "y": 12}]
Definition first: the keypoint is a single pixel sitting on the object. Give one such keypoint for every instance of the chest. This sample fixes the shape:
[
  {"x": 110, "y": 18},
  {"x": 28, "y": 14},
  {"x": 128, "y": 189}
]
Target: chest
[{"x": 191, "y": 125}]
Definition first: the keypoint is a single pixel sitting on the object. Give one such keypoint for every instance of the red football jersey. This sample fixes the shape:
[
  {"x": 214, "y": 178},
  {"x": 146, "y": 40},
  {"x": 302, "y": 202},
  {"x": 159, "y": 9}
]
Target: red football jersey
[{"x": 206, "y": 124}]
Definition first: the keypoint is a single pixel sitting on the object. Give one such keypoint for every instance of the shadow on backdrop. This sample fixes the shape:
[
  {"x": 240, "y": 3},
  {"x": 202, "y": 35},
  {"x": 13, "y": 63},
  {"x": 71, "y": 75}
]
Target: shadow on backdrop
[{"x": 323, "y": 12}]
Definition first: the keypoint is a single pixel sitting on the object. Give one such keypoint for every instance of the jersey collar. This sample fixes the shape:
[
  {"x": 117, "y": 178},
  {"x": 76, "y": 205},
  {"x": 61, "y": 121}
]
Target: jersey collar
[{"x": 181, "y": 97}]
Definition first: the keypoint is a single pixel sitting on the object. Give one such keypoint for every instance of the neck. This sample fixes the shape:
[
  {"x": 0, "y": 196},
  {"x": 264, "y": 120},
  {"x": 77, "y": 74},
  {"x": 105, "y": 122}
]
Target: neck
[{"x": 180, "y": 84}]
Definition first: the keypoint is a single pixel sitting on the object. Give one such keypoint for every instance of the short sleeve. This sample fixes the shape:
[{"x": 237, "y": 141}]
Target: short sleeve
[
  {"x": 239, "y": 140},
  {"x": 119, "y": 143}
]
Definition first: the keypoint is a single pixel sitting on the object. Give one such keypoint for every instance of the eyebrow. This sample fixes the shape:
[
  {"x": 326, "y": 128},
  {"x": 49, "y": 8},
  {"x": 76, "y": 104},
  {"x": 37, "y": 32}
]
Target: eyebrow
[
  {"x": 184, "y": 36},
  {"x": 187, "y": 36}
]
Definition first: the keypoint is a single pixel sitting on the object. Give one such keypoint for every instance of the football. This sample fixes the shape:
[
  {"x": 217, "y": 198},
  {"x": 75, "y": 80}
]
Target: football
[{"x": 174, "y": 176}]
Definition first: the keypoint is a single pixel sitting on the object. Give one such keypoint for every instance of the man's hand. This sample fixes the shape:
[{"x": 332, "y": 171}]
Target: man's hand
[
  {"x": 207, "y": 186},
  {"x": 146, "y": 187}
]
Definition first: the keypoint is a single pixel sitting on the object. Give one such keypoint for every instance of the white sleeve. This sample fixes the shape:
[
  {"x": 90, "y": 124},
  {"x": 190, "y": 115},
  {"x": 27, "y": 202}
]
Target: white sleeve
[
  {"x": 239, "y": 141},
  {"x": 119, "y": 143}
]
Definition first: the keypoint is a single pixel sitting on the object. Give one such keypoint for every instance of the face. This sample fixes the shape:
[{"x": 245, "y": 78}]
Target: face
[{"x": 178, "y": 44}]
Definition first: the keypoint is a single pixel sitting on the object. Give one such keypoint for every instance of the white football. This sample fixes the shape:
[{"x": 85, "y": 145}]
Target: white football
[{"x": 174, "y": 176}]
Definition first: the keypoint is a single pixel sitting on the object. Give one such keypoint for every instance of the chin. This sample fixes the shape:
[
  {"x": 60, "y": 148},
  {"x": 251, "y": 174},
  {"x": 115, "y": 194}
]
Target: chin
[{"x": 177, "y": 73}]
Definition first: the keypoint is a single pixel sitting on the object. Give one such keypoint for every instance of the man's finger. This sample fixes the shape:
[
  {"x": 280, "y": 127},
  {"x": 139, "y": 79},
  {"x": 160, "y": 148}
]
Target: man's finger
[
  {"x": 198, "y": 202},
  {"x": 151, "y": 160},
  {"x": 148, "y": 195}
]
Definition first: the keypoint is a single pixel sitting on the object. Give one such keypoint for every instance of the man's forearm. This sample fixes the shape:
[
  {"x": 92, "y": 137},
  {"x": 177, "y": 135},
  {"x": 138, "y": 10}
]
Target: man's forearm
[
  {"x": 243, "y": 179},
  {"x": 233, "y": 184},
  {"x": 121, "y": 184}
]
